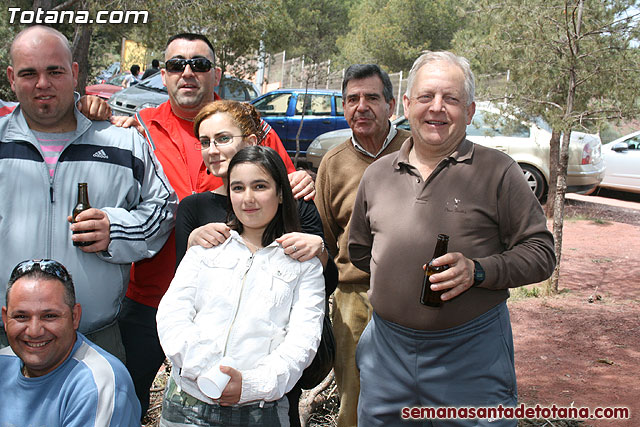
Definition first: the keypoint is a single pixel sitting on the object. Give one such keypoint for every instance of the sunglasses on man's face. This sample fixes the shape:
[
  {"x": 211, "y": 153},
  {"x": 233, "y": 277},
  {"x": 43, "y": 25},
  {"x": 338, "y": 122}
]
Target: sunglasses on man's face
[
  {"x": 199, "y": 65},
  {"x": 49, "y": 266}
]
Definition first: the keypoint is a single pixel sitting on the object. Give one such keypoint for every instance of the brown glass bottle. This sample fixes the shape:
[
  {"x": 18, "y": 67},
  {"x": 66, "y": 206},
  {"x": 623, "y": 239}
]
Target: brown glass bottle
[
  {"x": 82, "y": 205},
  {"x": 432, "y": 298}
]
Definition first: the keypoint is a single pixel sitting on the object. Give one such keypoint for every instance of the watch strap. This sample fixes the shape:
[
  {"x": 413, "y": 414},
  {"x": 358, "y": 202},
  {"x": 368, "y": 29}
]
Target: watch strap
[{"x": 478, "y": 273}]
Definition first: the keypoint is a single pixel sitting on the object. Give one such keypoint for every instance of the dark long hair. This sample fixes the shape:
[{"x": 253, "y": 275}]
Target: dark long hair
[{"x": 286, "y": 218}]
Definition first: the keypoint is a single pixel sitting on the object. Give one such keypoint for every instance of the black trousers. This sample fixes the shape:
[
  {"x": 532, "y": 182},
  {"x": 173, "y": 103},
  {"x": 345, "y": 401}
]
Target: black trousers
[
  {"x": 140, "y": 339},
  {"x": 294, "y": 399}
]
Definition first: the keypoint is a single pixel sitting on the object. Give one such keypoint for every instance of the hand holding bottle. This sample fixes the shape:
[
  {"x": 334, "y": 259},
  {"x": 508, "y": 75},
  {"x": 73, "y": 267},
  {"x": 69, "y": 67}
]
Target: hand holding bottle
[
  {"x": 91, "y": 226},
  {"x": 456, "y": 279}
]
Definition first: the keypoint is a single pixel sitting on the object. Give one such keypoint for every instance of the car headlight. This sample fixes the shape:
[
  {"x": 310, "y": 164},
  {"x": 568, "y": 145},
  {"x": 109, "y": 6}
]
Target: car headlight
[{"x": 314, "y": 145}]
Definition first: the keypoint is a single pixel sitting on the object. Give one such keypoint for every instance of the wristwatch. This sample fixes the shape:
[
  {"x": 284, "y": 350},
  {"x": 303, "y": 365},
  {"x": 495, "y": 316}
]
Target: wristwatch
[{"x": 478, "y": 273}]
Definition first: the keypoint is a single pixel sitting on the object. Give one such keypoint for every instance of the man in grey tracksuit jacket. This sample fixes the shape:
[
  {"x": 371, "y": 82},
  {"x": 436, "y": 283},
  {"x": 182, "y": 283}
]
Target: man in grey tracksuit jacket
[{"x": 125, "y": 182}]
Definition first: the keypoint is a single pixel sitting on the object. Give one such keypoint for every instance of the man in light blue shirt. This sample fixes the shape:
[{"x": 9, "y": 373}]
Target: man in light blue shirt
[{"x": 51, "y": 374}]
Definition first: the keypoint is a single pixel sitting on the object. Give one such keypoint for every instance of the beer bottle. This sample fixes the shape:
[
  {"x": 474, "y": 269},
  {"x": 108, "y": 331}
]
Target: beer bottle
[
  {"x": 432, "y": 298},
  {"x": 82, "y": 205}
]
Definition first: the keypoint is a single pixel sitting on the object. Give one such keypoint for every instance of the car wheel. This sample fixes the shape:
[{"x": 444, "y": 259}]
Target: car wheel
[{"x": 535, "y": 180}]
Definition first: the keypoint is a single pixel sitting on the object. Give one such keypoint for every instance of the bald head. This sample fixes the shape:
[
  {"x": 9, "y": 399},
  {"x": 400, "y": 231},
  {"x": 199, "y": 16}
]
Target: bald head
[
  {"x": 43, "y": 77},
  {"x": 35, "y": 37}
]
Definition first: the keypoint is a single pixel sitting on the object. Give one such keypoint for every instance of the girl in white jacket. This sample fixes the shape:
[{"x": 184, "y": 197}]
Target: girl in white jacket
[{"x": 245, "y": 299}]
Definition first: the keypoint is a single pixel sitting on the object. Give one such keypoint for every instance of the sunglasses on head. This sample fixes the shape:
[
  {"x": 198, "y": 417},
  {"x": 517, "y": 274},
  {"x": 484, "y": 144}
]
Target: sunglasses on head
[
  {"x": 49, "y": 266},
  {"x": 199, "y": 65}
]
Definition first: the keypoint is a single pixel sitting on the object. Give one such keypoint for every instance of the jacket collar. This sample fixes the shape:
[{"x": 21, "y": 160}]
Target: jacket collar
[
  {"x": 235, "y": 236},
  {"x": 17, "y": 129}
]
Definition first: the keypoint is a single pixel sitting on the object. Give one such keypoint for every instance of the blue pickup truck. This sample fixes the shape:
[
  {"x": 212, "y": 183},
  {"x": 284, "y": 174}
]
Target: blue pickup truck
[{"x": 283, "y": 108}]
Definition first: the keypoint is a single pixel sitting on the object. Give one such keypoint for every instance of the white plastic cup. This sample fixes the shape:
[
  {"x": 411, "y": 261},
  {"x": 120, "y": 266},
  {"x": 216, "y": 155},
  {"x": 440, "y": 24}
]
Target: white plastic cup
[{"x": 213, "y": 382}]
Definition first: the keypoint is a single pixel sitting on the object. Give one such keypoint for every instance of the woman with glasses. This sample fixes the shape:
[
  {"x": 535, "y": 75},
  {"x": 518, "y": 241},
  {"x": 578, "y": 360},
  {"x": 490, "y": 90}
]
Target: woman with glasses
[
  {"x": 245, "y": 299},
  {"x": 223, "y": 128}
]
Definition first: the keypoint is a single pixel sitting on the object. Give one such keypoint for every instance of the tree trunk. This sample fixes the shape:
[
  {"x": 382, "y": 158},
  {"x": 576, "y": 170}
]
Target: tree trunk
[
  {"x": 558, "y": 208},
  {"x": 554, "y": 157},
  {"x": 561, "y": 188},
  {"x": 80, "y": 50},
  {"x": 304, "y": 110}
]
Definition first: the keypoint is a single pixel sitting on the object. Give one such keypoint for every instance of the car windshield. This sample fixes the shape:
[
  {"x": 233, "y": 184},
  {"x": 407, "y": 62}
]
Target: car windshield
[
  {"x": 236, "y": 89},
  {"x": 117, "y": 80},
  {"x": 486, "y": 123},
  {"x": 113, "y": 68},
  {"x": 275, "y": 104},
  {"x": 154, "y": 82}
]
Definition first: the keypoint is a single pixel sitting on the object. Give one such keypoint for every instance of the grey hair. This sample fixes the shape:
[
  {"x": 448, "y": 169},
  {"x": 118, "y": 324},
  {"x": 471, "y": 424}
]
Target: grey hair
[{"x": 428, "y": 57}]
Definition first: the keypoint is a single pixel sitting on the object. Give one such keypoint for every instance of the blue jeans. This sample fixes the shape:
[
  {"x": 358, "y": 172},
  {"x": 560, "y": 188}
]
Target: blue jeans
[{"x": 180, "y": 409}]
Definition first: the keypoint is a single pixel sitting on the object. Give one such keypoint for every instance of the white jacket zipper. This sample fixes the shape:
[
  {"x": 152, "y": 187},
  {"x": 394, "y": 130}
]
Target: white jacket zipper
[{"x": 237, "y": 307}]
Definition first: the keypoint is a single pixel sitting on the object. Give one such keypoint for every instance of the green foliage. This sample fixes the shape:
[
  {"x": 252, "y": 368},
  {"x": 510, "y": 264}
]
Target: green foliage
[
  {"x": 542, "y": 43},
  {"x": 234, "y": 27},
  {"x": 310, "y": 29},
  {"x": 524, "y": 292},
  {"x": 608, "y": 133},
  {"x": 392, "y": 33},
  {"x": 7, "y": 32},
  {"x": 105, "y": 41}
]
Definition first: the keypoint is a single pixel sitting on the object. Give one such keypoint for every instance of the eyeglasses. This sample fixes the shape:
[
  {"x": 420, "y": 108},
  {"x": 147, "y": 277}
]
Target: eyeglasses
[
  {"x": 48, "y": 266},
  {"x": 218, "y": 141},
  {"x": 199, "y": 65}
]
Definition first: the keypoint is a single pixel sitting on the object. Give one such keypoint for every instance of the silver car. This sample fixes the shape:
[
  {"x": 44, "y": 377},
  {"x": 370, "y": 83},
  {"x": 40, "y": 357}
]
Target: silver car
[
  {"x": 151, "y": 93},
  {"x": 527, "y": 143},
  {"x": 623, "y": 163}
]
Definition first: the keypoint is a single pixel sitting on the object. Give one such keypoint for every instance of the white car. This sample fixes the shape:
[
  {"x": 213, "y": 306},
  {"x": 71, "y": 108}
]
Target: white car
[
  {"x": 622, "y": 158},
  {"x": 527, "y": 143}
]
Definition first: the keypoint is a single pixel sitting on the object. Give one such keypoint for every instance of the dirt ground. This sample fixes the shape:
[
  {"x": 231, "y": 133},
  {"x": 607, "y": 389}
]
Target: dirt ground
[
  {"x": 573, "y": 352},
  {"x": 581, "y": 347}
]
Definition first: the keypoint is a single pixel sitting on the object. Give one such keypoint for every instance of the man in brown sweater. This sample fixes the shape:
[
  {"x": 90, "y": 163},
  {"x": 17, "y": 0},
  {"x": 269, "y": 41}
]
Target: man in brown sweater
[
  {"x": 368, "y": 102},
  {"x": 459, "y": 355}
]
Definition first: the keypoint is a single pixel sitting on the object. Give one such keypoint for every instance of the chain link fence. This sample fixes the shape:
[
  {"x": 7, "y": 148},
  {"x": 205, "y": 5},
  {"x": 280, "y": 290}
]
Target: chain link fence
[{"x": 283, "y": 72}]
